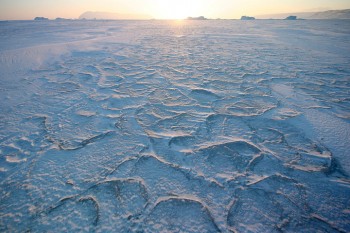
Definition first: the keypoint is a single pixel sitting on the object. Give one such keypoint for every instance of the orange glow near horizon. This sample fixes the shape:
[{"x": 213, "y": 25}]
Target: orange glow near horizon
[
  {"x": 162, "y": 9},
  {"x": 179, "y": 9}
]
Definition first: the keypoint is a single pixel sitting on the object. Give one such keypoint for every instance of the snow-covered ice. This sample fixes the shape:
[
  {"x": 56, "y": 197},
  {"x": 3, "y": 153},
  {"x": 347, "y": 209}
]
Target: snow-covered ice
[{"x": 175, "y": 126}]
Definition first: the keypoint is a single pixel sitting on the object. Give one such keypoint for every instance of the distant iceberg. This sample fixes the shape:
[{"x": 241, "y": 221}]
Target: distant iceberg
[
  {"x": 197, "y": 18},
  {"x": 247, "y": 18},
  {"x": 291, "y": 18},
  {"x": 111, "y": 16},
  {"x": 59, "y": 18},
  {"x": 40, "y": 18}
]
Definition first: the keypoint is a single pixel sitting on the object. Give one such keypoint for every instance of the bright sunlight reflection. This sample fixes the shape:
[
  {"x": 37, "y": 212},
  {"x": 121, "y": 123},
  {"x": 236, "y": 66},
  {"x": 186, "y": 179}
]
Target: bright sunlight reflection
[{"x": 177, "y": 9}]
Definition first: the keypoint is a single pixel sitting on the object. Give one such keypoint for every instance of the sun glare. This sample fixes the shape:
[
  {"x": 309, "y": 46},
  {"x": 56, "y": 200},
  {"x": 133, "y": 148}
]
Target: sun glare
[{"x": 176, "y": 9}]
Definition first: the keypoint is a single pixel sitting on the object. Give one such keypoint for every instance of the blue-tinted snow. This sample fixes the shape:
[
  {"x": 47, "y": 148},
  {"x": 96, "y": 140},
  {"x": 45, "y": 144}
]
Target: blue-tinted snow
[{"x": 164, "y": 126}]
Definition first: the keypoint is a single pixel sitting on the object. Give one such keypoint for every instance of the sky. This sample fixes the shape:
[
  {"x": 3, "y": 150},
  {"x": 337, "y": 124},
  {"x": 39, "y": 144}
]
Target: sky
[{"x": 162, "y": 9}]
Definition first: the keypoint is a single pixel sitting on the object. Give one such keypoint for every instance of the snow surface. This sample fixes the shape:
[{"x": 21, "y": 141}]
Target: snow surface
[{"x": 166, "y": 126}]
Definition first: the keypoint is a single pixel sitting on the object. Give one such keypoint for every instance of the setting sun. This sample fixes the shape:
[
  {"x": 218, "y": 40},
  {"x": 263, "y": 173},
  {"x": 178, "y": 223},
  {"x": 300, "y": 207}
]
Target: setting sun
[{"x": 179, "y": 9}]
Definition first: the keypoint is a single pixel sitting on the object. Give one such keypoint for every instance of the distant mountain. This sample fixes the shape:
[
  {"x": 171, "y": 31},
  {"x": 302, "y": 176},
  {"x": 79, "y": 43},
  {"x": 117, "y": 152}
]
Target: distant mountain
[
  {"x": 111, "y": 15},
  {"x": 333, "y": 14}
]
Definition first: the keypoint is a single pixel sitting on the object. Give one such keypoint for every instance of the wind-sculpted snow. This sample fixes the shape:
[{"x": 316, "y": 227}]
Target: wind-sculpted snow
[{"x": 168, "y": 126}]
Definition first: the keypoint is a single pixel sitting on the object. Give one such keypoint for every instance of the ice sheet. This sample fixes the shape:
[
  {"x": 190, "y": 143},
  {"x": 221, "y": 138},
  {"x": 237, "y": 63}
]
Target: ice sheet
[{"x": 175, "y": 126}]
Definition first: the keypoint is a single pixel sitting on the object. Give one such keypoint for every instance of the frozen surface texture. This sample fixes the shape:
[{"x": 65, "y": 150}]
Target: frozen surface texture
[{"x": 166, "y": 126}]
